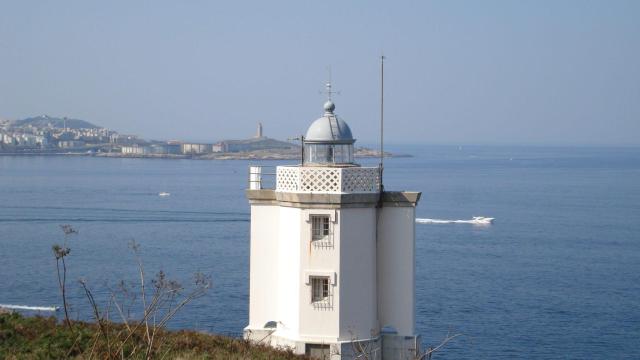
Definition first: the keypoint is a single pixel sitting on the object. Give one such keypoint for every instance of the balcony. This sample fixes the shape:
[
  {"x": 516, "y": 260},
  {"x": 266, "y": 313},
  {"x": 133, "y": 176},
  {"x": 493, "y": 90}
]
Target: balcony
[{"x": 326, "y": 180}]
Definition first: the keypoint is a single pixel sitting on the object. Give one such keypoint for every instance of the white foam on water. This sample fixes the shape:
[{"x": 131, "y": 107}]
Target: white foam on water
[
  {"x": 32, "y": 308},
  {"x": 477, "y": 220}
]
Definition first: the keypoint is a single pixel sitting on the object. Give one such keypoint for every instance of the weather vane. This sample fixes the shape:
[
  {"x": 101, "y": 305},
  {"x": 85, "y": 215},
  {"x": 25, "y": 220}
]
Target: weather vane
[{"x": 328, "y": 87}]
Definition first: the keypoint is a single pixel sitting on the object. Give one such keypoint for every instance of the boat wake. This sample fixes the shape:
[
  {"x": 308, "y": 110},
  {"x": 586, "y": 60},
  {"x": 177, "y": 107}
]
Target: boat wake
[
  {"x": 31, "y": 308},
  {"x": 477, "y": 220}
]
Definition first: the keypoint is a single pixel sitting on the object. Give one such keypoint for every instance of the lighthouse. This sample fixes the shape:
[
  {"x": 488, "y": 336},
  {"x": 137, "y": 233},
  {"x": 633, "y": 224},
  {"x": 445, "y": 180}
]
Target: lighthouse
[{"x": 332, "y": 268}]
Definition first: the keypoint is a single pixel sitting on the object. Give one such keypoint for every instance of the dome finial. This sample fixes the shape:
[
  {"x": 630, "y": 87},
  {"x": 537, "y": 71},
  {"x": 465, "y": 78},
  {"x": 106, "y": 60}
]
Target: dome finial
[{"x": 329, "y": 106}]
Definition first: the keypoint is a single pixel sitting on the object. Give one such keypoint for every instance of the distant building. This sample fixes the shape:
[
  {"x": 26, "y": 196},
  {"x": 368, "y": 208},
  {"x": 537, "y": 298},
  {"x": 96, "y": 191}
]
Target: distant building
[
  {"x": 7, "y": 139},
  {"x": 124, "y": 139},
  {"x": 259, "y": 132},
  {"x": 165, "y": 149},
  {"x": 42, "y": 140},
  {"x": 65, "y": 135},
  {"x": 70, "y": 144},
  {"x": 191, "y": 149},
  {"x": 136, "y": 149},
  {"x": 27, "y": 140},
  {"x": 217, "y": 147}
]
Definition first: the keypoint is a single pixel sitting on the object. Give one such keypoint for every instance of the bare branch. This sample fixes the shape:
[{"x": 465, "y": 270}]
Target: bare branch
[{"x": 427, "y": 354}]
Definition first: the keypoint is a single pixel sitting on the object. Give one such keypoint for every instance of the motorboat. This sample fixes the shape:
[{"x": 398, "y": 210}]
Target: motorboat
[
  {"x": 481, "y": 220},
  {"x": 164, "y": 194}
]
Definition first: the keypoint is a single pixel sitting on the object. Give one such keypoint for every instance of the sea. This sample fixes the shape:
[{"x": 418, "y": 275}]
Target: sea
[{"x": 557, "y": 276}]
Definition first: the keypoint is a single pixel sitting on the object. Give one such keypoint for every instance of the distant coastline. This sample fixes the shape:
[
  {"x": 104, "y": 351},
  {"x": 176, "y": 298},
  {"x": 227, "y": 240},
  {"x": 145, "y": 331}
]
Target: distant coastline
[
  {"x": 50, "y": 136},
  {"x": 252, "y": 155}
]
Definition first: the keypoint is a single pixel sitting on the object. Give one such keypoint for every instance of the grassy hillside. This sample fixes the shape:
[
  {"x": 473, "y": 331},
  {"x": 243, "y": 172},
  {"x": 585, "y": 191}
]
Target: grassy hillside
[{"x": 44, "y": 338}]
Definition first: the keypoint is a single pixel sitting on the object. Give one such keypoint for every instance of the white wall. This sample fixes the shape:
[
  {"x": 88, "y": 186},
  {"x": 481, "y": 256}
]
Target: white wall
[
  {"x": 373, "y": 284},
  {"x": 289, "y": 272},
  {"x": 319, "y": 324},
  {"x": 263, "y": 271},
  {"x": 358, "y": 311},
  {"x": 396, "y": 269}
]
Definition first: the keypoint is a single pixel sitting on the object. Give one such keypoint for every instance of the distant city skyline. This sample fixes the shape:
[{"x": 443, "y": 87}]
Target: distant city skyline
[{"x": 457, "y": 72}]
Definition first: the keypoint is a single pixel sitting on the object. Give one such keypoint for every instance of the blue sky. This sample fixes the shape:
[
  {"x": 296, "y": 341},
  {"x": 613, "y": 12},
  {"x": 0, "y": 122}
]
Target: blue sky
[{"x": 457, "y": 72}]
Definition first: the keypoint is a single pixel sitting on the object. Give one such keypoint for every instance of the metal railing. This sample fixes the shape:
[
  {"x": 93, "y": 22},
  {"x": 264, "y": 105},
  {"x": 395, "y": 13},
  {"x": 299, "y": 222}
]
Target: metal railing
[{"x": 258, "y": 179}]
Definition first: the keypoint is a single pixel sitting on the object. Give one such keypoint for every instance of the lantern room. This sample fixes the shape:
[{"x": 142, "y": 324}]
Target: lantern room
[{"x": 329, "y": 141}]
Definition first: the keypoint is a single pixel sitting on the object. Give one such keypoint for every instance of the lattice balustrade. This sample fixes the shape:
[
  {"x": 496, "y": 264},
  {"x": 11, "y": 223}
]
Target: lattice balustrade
[
  {"x": 327, "y": 180},
  {"x": 320, "y": 180},
  {"x": 360, "y": 180},
  {"x": 288, "y": 179}
]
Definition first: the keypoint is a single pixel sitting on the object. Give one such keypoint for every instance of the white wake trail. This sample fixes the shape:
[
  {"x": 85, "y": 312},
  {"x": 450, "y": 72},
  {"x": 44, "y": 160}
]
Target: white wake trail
[
  {"x": 32, "y": 308},
  {"x": 477, "y": 220}
]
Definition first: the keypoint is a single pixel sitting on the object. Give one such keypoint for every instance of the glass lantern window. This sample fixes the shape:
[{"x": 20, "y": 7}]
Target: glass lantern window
[{"x": 328, "y": 154}]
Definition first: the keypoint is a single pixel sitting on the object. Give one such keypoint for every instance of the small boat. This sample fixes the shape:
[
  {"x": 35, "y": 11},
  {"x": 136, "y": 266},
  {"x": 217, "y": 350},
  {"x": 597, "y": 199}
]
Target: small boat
[
  {"x": 481, "y": 220},
  {"x": 164, "y": 194}
]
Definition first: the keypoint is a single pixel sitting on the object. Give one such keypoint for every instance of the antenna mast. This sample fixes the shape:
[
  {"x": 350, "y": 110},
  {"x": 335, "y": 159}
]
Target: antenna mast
[
  {"x": 328, "y": 87},
  {"x": 381, "y": 121}
]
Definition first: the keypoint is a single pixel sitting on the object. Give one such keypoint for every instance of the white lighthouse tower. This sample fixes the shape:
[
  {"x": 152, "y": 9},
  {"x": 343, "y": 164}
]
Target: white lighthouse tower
[{"x": 332, "y": 265}]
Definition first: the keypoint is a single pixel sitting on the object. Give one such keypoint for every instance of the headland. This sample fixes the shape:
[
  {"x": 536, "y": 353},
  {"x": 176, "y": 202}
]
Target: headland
[{"x": 54, "y": 136}]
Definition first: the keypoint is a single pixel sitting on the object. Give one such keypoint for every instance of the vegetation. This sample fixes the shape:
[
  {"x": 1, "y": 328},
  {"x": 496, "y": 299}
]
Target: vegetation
[
  {"x": 46, "y": 338},
  {"x": 141, "y": 336}
]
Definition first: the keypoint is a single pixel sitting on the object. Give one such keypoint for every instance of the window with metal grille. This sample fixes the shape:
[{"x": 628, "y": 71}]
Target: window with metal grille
[
  {"x": 320, "y": 227},
  {"x": 319, "y": 288}
]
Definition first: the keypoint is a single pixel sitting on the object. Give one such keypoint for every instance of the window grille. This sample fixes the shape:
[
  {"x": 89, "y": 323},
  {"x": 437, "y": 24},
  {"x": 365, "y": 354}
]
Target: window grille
[
  {"x": 321, "y": 286},
  {"x": 321, "y": 231},
  {"x": 319, "y": 227},
  {"x": 319, "y": 289}
]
